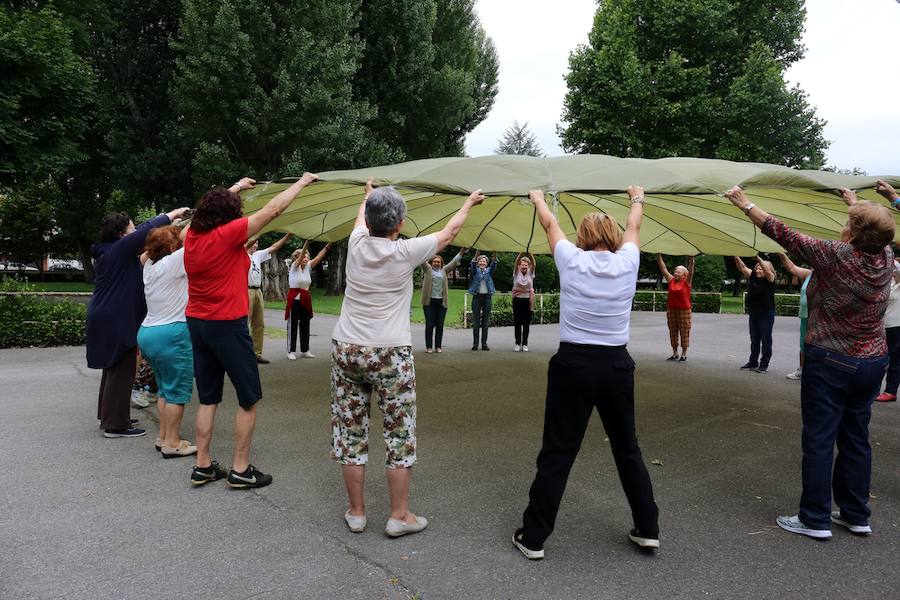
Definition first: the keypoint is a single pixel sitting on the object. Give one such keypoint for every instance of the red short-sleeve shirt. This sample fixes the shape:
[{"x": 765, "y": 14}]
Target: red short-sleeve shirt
[{"x": 216, "y": 264}]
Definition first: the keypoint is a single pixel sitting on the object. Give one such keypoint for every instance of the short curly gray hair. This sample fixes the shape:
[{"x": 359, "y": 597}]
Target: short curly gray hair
[{"x": 385, "y": 208}]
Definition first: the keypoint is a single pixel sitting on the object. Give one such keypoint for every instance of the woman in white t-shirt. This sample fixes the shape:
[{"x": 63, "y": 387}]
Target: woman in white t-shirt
[
  {"x": 591, "y": 370},
  {"x": 298, "y": 309},
  {"x": 371, "y": 351},
  {"x": 522, "y": 299},
  {"x": 164, "y": 338},
  {"x": 892, "y": 332}
]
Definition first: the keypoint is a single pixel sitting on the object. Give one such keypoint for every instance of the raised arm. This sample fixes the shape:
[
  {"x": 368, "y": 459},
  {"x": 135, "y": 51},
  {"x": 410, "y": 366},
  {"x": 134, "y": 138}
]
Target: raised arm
[
  {"x": 314, "y": 262},
  {"x": 798, "y": 272},
  {"x": 548, "y": 221},
  {"x": 361, "y": 214},
  {"x": 280, "y": 243},
  {"x": 533, "y": 262},
  {"x": 635, "y": 215},
  {"x": 742, "y": 267},
  {"x": 296, "y": 263},
  {"x": 276, "y": 205},
  {"x": 451, "y": 229},
  {"x": 887, "y": 190},
  {"x": 662, "y": 268},
  {"x": 691, "y": 265},
  {"x": 848, "y": 196},
  {"x": 456, "y": 260},
  {"x": 494, "y": 261},
  {"x": 768, "y": 269}
]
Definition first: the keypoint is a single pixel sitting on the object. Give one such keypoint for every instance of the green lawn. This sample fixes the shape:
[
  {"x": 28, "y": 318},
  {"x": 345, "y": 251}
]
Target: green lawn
[
  {"x": 64, "y": 286},
  {"x": 331, "y": 305},
  {"x": 732, "y": 304}
]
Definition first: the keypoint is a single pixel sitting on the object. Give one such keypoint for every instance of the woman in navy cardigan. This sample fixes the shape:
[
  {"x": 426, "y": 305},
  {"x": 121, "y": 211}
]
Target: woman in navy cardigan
[
  {"x": 115, "y": 314},
  {"x": 481, "y": 286}
]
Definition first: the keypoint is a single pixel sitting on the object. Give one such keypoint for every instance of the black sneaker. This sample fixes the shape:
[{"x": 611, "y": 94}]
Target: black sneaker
[
  {"x": 761, "y": 368},
  {"x": 484, "y": 347},
  {"x": 203, "y": 475},
  {"x": 683, "y": 359},
  {"x": 261, "y": 360},
  {"x": 130, "y": 432},
  {"x": 749, "y": 367},
  {"x": 251, "y": 478},
  {"x": 530, "y": 553},
  {"x": 645, "y": 542},
  {"x": 474, "y": 346}
]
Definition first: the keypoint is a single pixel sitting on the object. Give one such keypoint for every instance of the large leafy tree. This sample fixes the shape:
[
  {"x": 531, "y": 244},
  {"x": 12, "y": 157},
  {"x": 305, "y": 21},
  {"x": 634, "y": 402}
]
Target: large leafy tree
[
  {"x": 264, "y": 87},
  {"x": 693, "y": 78},
  {"x": 429, "y": 69},
  {"x": 47, "y": 89}
]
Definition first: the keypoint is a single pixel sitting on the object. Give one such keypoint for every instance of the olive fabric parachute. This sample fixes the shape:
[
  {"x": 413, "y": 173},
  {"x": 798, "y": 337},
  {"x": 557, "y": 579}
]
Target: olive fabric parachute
[{"x": 685, "y": 210}]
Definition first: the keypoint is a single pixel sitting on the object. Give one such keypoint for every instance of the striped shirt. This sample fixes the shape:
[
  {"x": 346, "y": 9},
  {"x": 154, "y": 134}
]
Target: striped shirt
[{"x": 847, "y": 294}]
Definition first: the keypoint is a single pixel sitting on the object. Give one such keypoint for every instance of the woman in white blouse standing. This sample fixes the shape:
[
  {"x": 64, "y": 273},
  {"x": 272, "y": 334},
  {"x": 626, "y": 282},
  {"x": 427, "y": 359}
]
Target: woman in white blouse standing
[
  {"x": 591, "y": 370},
  {"x": 164, "y": 338},
  {"x": 522, "y": 299},
  {"x": 298, "y": 310}
]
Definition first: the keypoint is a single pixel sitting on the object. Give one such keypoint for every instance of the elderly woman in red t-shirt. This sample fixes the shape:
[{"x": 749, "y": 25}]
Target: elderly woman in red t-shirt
[
  {"x": 844, "y": 359},
  {"x": 678, "y": 305}
]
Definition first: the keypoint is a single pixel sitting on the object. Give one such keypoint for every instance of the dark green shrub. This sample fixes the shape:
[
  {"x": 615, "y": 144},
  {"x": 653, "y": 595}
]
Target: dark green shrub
[{"x": 30, "y": 321}]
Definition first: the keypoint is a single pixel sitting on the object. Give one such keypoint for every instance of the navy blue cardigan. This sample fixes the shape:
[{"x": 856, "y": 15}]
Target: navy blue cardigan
[{"x": 118, "y": 306}]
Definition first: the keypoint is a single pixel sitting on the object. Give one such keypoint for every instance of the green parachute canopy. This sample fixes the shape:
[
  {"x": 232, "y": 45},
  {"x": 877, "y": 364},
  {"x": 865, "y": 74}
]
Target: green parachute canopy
[{"x": 685, "y": 211}]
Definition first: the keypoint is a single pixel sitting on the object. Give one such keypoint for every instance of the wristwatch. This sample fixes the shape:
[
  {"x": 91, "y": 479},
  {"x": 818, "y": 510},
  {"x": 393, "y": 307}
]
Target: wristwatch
[{"x": 748, "y": 208}]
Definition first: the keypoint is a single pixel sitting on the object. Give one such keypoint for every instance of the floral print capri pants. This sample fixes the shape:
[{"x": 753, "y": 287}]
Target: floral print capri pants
[{"x": 357, "y": 374}]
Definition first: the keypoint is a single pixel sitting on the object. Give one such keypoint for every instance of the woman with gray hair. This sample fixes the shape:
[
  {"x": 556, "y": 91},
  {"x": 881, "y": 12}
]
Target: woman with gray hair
[{"x": 371, "y": 351}]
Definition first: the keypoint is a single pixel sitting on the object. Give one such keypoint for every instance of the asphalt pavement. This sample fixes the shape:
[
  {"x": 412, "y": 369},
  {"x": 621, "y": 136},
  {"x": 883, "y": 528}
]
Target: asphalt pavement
[{"x": 82, "y": 516}]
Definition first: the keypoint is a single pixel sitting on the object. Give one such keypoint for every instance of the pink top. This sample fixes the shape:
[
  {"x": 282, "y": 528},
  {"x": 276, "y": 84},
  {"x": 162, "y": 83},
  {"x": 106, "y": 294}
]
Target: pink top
[{"x": 523, "y": 285}]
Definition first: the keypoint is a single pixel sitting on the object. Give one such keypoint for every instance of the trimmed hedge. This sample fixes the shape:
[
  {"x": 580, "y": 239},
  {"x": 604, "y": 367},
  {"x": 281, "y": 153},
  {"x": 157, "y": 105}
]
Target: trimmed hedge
[
  {"x": 27, "y": 321},
  {"x": 786, "y": 305},
  {"x": 502, "y": 315}
]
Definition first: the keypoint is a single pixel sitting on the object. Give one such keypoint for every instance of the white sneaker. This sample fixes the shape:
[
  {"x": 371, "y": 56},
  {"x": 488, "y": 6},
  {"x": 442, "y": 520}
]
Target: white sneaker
[
  {"x": 356, "y": 524},
  {"x": 139, "y": 399},
  {"x": 524, "y": 348},
  {"x": 857, "y": 529},
  {"x": 292, "y": 356},
  {"x": 517, "y": 348},
  {"x": 798, "y": 374},
  {"x": 396, "y": 527},
  {"x": 307, "y": 354}
]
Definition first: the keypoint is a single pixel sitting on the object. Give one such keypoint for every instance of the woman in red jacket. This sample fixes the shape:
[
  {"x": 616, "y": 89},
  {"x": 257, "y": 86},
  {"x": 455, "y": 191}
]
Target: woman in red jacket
[{"x": 678, "y": 306}]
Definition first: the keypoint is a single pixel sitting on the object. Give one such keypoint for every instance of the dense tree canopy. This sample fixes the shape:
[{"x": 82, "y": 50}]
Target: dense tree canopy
[{"x": 692, "y": 78}]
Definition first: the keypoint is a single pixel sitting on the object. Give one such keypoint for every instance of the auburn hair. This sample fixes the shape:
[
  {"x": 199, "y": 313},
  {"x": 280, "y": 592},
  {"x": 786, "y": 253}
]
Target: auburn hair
[
  {"x": 599, "y": 229},
  {"x": 871, "y": 226},
  {"x": 162, "y": 241},
  {"x": 216, "y": 207}
]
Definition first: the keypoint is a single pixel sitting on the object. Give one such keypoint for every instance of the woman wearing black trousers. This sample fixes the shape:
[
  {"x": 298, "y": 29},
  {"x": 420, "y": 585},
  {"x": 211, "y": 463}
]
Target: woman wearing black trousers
[
  {"x": 522, "y": 299},
  {"x": 435, "y": 292},
  {"x": 591, "y": 370},
  {"x": 298, "y": 310}
]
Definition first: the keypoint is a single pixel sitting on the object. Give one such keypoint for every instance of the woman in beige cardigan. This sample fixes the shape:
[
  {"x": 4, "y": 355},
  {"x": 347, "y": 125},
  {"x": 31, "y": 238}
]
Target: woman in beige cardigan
[{"x": 434, "y": 297}]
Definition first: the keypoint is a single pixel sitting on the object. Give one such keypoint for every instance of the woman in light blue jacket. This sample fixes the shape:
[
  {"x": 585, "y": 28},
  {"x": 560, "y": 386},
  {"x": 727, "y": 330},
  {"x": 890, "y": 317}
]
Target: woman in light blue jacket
[{"x": 481, "y": 286}]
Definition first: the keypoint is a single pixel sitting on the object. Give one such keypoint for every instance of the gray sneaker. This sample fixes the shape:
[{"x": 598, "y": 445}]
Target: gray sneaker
[
  {"x": 795, "y": 525},
  {"x": 857, "y": 529}
]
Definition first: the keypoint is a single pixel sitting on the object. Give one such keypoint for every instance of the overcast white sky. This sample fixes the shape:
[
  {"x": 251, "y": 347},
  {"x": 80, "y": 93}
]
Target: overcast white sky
[{"x": 851, "y": 72}]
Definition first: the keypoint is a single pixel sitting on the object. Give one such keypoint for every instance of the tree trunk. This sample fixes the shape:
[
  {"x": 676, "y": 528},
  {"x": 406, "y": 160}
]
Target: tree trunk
[
  {"x": 274, "y": 278},
  {"x": 84, "y": 249},
  {"x": 337, "y": 263}
]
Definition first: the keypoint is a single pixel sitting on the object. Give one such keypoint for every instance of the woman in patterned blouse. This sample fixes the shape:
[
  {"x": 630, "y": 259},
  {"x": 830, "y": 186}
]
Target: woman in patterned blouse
[{"x": 845, "y": 356}]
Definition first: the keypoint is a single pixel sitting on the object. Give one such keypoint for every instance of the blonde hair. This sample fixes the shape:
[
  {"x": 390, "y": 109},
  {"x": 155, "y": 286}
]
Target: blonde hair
[
  {"x": 599, "y": 229},
  {"x": 871, "y": 226}
]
